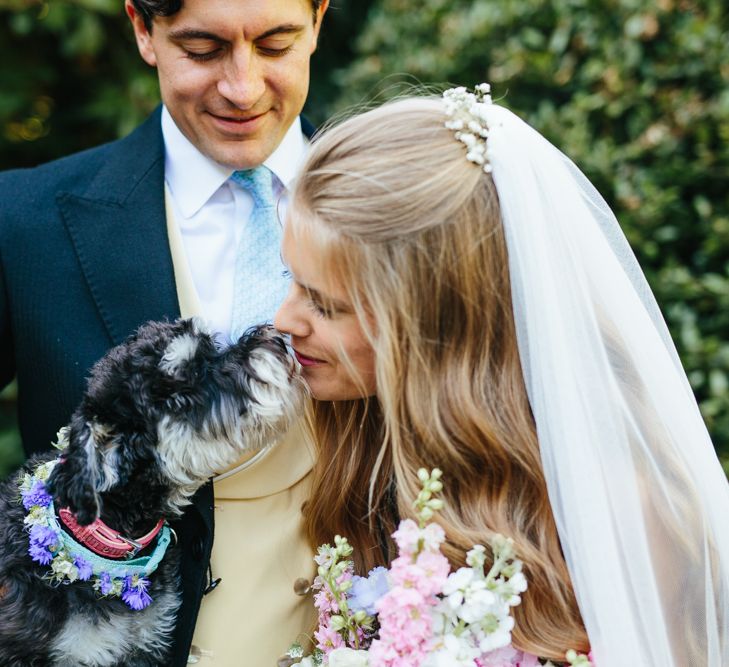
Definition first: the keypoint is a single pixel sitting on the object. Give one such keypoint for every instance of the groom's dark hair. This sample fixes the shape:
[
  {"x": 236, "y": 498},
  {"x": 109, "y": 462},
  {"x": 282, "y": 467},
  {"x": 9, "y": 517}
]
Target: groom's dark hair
[{"x": 148, "y": 9}]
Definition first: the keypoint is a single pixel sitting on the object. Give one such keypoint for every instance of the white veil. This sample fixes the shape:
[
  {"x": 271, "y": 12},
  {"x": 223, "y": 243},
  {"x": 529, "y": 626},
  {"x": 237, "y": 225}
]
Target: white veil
[{"x": 640, "y": 500}]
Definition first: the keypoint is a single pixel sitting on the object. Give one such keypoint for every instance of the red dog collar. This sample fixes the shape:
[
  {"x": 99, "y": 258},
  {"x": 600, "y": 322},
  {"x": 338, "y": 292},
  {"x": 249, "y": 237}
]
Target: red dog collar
[{"x": 105, "y": 541}]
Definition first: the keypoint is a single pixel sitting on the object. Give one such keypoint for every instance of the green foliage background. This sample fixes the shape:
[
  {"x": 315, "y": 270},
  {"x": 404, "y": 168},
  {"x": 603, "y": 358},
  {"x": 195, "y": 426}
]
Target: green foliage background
[{"x": 635, "y": 91}]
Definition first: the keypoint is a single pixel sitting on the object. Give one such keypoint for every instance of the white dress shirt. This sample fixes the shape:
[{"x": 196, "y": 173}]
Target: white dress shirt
[{"x": 210, "y": 211}]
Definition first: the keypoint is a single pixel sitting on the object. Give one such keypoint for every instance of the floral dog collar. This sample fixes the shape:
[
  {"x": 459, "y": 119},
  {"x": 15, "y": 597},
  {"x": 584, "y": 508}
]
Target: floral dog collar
[{"x": 70, "y": 561}]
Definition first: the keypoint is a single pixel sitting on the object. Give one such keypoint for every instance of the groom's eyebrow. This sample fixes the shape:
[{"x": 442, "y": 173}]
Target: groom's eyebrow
[
  {"x": 184, "y": 34},
  {"x": 283, "y": 29}
]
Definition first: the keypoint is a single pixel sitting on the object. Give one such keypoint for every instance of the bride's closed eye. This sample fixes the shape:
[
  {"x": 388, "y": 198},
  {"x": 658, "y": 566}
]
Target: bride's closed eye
[
  {"x": 318, "y": 309},
  {"x": 312, "y": 302}
]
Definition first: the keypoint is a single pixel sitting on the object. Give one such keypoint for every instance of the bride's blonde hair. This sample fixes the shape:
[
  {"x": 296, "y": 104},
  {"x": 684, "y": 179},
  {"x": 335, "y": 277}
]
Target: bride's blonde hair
[{"x": 411, "y": 228}]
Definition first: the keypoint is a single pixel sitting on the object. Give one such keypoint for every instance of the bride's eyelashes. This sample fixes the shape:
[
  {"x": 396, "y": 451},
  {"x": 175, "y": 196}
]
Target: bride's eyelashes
[
  {"x": 312, "y": 302},
  {"x": 318, "y": 309}
]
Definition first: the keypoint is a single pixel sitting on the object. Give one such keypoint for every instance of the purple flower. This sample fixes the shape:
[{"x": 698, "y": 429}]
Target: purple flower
[
  {"x": 106, "y": 584},
  {"x": 43, "y": 536},
  {"x": 36, "y": 495},
  {"x": 40, "y": 555},
  {"x": 366, "y": 591},
  {"x": 41, "y": 539},
  {"x": 136, "y": 596},
  {"x": 84, "y": 568}
]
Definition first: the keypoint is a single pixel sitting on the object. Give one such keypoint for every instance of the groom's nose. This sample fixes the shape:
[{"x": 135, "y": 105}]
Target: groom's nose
[{"x": 242, "y": 80}]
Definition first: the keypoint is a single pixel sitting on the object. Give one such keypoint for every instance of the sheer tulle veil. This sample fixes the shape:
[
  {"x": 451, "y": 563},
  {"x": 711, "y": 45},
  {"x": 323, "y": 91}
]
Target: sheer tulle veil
[{"x": 640, "y": 500}]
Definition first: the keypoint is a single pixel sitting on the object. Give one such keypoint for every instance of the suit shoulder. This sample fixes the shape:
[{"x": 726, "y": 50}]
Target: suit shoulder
[
  {"x": 73, "y": 172},
  {"x": 59, "y": 174}
]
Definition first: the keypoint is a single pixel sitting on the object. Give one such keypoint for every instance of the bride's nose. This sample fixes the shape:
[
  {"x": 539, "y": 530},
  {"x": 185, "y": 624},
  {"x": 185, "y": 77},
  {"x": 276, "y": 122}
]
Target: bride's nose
[{"x": 291, "y": 316}]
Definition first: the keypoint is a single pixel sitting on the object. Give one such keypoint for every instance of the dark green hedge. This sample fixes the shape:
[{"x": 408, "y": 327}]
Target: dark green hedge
[{"x": 637, "y": 93}]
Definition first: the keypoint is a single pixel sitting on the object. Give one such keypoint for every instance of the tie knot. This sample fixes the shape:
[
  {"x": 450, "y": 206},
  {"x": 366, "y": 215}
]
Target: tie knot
[{"x": 259, "y": 182}]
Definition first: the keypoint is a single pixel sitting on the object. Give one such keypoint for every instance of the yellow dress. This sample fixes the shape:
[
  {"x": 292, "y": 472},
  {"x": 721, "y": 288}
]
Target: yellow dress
[{"x": 259, "y": 550}]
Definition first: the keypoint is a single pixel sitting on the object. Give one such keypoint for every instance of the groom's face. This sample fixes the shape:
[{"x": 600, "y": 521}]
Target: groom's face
[{"x": 233, "y": 74}]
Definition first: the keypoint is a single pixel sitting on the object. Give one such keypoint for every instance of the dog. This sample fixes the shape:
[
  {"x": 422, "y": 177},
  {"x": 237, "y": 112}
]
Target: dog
[{"x": 162, "y": 413}]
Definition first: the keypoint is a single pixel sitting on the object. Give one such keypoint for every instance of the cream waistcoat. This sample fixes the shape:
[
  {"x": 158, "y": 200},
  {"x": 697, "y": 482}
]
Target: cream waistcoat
[{"x": 259, "y": 550}]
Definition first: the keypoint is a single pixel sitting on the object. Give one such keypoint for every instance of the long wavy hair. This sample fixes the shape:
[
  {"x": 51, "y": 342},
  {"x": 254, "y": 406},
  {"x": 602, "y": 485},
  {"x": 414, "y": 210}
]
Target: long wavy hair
[{"x": 412, "y": 229}]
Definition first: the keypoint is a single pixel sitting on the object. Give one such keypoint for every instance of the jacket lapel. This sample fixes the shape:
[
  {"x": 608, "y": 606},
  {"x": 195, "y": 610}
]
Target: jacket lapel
[{"x": 118, "y": 228}]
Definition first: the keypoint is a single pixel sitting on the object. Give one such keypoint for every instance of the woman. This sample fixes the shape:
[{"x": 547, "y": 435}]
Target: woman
[{"x": 463, "y": 298}]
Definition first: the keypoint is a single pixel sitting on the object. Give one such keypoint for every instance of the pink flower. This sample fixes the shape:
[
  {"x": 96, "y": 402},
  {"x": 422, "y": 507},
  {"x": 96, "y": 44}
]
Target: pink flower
[
  {"x": 528, "y": 660},
  {"x": 435, "y": 568},
  {"x": 407, "y": 537},
  {"x": 507, "y": 656},
  {"x": 405, "y": 627},
  {"x": 427, "y": 574},
  {"x": 327, "y": 639},
  {"x": 410, "y": 538},
  {"x": 325, "y": 603}
]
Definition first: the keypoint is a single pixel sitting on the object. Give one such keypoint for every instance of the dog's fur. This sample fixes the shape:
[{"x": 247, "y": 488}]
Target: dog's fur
[{"x": 162, "y": 413}]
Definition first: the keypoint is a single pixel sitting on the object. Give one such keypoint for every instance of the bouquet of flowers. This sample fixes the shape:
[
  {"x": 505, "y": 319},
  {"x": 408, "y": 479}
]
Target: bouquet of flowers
[{"x": 418, "y": 613}]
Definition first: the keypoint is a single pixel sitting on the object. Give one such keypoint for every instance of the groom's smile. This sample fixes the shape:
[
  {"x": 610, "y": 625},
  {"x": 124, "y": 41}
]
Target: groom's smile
[
  {"x": 233, "y": 74},
  {"x": 239, "y": 126}
]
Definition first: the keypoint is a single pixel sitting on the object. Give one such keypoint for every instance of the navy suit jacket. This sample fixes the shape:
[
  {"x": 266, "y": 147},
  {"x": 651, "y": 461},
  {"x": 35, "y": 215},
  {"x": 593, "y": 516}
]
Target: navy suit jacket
[{"x": 84, "y": 260}]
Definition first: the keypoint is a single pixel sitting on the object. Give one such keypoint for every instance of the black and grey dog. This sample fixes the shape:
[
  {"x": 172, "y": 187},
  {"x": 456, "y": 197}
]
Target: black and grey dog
[{"x": 162, "y": 413}]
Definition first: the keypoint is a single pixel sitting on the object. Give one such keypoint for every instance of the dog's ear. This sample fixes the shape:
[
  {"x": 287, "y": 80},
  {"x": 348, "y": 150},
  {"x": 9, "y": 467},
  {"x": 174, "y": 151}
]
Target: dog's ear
[
  {"x": 179, "y": 354},
  {"x": 77, "y": 479},
  {"x": 188, "y": 358}
]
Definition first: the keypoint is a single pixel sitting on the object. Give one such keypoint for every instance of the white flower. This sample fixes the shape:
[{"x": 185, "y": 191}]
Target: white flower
[
  {"x": 444, "y": 618},
  {"x": 62, "y": 438},
  {"x": 42, "y": 472},
  {"x": 477, "y": 603},
  {"x": 348, "y": 657},
  {"x": 433, "y": 536},
  {"x": 518, "y": 583},
  {"x": 36, "y": 517},
  {"x": 308, "y": 661},
  {"x": 458, "y": 580},
  {"x": 452, "y": 651},
  {"x": 63, "y": 566},
  {"x": 476, "y": 557},
  {"x": 475, "y": 127},
  {"x": 497, "y": 633}
]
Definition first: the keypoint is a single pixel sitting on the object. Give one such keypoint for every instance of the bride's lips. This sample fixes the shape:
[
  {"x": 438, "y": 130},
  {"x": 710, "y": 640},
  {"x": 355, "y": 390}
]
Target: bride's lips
[{"x": 307, "y": 361}]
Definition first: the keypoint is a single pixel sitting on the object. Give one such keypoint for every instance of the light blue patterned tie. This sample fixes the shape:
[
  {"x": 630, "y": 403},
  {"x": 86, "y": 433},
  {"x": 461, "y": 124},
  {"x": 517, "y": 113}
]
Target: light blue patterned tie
[{"x": 260, "y": 285}]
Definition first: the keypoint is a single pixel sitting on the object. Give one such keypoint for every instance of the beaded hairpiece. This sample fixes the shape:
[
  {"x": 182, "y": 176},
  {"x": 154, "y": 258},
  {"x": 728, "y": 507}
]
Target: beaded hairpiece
[{"x": 466, "y": 113}]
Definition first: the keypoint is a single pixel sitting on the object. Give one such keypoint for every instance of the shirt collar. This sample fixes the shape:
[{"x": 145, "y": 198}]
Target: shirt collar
[{"x": 193, "y": 177}]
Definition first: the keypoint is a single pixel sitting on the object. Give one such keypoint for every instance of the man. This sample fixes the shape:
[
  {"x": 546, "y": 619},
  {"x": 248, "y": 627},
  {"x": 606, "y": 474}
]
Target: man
[{"x": 153, "y": 226}]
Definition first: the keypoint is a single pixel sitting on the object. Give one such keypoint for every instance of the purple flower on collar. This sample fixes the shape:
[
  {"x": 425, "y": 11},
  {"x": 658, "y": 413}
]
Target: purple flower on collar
[
  {"x": 36, "y": 495},
  {"x": 84, "y": 568},
  {"x": 42, "y": 539},
  {"x": 135, "y": 595},
  {"x": 105, "y": 583}
]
